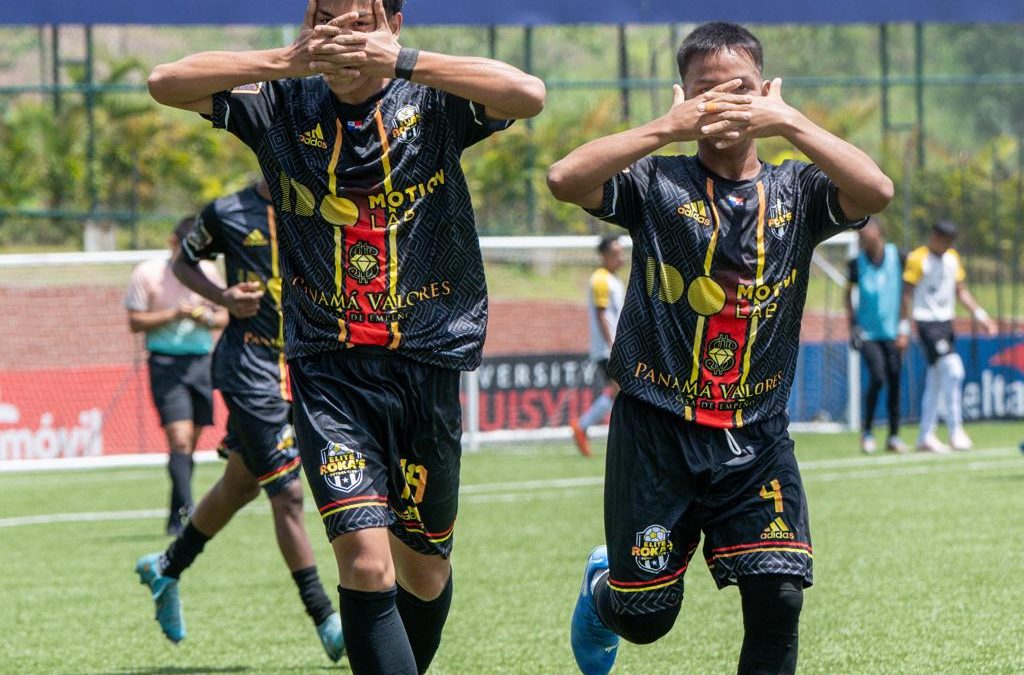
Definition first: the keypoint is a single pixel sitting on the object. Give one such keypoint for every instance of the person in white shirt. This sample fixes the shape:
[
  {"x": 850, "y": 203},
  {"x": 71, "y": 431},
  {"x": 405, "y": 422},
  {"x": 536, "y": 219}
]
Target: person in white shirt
[
  {"x": 934, "y": 279},
  {"x": 605, "y": 299}
]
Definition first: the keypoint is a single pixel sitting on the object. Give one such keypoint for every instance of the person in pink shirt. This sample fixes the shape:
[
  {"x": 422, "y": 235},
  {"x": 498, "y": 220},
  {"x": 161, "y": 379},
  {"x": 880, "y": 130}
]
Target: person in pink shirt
[{"x": 178, "y": 326}]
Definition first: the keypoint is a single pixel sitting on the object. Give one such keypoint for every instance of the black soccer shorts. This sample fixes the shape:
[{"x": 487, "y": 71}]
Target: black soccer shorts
[
  {"x": 182, "y": 389},
  {"x": 937, "y": 338},
  {"x": 380, "y": 439},
  {"x": 667, "y": 480},
  {"x": 260, "y": 432}
]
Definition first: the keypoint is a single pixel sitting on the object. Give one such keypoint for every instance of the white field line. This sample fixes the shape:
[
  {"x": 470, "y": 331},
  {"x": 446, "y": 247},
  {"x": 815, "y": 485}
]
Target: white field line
[{"x": 490, "y": 493}]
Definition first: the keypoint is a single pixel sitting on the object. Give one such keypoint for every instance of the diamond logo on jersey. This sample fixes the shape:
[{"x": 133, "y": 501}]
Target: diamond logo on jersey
[
  {"x": 652, "y": 549},
  {"x": 406, "y": 124},
  {"x": 697, "y": 212},
  {"x": 779, "y": 219},
  {"x": 721, "y": 355},
  {"x": 363, "y": 265},
  {"x": 314, "y": 138},
  {"x": 341, "y": 468},
  {"x": 777, "y": 529},
  {"x": 255, "y": 239}
]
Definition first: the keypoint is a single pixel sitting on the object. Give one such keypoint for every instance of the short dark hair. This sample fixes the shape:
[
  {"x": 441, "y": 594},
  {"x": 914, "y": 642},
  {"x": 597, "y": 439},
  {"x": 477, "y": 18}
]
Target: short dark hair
[
  {"x": 606, "y": 243},
  {"x": 714, "y": 37},
  {"x": 183, "y": 227},
  {"x": 393, "y": 7}
]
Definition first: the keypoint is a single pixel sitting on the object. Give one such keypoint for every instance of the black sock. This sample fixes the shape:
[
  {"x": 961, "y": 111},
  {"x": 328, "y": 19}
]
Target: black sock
[
  {"x": 375, "y": 638},
  {"x": 771, "y": 622},
  {"x": 318, "y": 605},
  {"x": 183, "y": 551},
  {"x": 424, "y": 620},
  {"x": 180, "y": 467}
]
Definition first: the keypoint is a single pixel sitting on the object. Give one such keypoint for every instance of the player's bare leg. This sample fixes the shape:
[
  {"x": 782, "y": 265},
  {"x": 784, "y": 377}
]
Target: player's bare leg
[
  {"x": 374, "y": 631},
  {"x": 424, "y": 598},
  {"x": 290, "y": 527},
  {"x": 236, "y": 488}
]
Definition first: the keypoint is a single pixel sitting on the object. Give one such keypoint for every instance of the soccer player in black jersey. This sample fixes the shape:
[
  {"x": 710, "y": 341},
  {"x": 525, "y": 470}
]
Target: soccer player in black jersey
[
  {"x": 249, "y": 370},
  {"x": 384, "y": 296},
  {"x": 706, "y": 349}
]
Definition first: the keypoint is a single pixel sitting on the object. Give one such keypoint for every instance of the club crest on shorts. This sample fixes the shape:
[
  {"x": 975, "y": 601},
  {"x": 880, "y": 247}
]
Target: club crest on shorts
[
  {"x": 341, "y": 468},
  {"x": 652, "y": 549}
]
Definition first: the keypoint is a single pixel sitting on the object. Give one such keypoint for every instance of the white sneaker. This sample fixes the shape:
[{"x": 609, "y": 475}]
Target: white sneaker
[
  {"x": 931, "y": 443},
  {"x": 867, "y": 443},
  {"x": 896, "y": 444},
  {"x": 960, "y": 440}
]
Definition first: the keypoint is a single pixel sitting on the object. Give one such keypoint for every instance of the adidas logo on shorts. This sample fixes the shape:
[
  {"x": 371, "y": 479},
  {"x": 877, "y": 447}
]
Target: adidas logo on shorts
[{"x": 777, "y": 529}]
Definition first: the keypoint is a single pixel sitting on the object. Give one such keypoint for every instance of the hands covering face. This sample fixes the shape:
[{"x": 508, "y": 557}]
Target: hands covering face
[
  {"x": 350, "y": 46},
  {"x": 726, "y": 118}
]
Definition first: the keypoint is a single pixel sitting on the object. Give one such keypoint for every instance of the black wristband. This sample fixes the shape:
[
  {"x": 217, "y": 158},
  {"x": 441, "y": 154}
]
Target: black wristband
[{"x": 406, "y": 63}]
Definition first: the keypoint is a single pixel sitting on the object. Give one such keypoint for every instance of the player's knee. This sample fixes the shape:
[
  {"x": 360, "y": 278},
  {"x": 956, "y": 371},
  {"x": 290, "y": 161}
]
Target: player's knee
[
  {"x": 953, "y": 366},
  {"x": 289, "y": 500},
  {"x": 772, "y": 603},
  {"x": 643, "y": 629}
]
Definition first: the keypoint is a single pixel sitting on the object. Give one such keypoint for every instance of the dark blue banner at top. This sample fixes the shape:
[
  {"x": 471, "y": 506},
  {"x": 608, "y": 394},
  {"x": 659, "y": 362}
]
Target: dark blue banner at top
[{"x": 519, "y": 12}]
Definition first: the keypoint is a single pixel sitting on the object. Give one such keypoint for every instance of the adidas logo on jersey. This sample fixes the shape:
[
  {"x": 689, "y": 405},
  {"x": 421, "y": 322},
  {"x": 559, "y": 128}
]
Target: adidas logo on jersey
[
  {"x": 695, "y": 211},
  {"x": 777, "y": 529},
  {"x": 314, "y": 138},
  {"x": 255, "y": 238}
]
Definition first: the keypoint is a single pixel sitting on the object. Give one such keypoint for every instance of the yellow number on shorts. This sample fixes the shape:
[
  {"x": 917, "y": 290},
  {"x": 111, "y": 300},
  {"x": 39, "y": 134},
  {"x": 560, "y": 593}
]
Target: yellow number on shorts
[
  {"x": 415, "y": 482},
  {"x": 775, "y": 493}
]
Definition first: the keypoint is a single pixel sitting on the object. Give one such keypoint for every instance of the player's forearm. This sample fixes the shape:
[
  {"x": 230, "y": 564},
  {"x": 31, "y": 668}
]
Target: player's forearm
[
  {"x": 193, "y": 278},
  {"x": 143, "y": 322},
  {"x": 863, "y": 187},
  {"x": 200, "y": 76},
  {"x": 586, "y": 169},
  {"x": 505, "y": 91},
  {"x": 908, "y": 298},
  {"x": 967, "y": 299},
  {"x": 606, "y": 329}
]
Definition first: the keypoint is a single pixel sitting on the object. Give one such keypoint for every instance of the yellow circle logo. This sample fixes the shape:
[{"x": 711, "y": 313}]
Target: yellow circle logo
[
  {"x": 706, "y": 296},
  {"x": 339, "y": 211}
]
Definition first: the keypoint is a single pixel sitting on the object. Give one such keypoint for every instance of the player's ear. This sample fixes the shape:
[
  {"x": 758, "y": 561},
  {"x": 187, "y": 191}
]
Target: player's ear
[
  {"x": 766, "y": 87},
  {"x": 396, "y": 23}
]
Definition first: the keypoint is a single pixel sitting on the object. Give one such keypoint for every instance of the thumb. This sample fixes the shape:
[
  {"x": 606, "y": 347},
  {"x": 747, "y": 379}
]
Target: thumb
[
  {"x": 776, "y": 89},
  {"x": 250, "y": 287},
  {"x": 678, "y": 96}
]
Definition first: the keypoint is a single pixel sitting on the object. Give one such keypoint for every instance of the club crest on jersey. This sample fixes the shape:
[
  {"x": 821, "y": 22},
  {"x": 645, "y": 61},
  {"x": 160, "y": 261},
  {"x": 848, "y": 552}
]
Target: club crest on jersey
[
  {"x": 341, "y": 468},
  {"x": 406, "y": 124},
  {"x": 721, "y": 355},
  {"x": 652, "y": 549},
  {"x": 779, "y": 219},
  {"x": 363, "y": 265}
]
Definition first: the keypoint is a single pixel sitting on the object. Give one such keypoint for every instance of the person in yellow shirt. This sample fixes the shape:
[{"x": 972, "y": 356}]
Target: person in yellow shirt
[{"x": 934, "y": 279}]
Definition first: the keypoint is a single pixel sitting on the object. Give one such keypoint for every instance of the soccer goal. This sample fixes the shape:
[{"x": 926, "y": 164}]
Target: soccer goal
[{"x": 74, "y": 384}]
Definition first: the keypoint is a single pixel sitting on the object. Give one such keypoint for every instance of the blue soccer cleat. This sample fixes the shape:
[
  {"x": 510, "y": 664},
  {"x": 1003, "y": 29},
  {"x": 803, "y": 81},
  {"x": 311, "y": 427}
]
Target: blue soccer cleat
[
  {"x": 593, "y": 644},
  {"x": 165, "y": 594},
  {"x": 331, "y": 637}
]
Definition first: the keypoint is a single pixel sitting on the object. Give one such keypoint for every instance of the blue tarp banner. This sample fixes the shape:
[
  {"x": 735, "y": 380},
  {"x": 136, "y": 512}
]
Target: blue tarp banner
[{"x": 519, "y": 12}]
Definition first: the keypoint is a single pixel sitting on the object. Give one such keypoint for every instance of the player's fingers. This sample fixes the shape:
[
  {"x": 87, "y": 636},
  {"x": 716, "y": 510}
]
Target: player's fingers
[
  {"x": 739, "y": 117},
  {"x": 717, "y": 107},
  {"x": 249, "y": 286},
  {"x": 344, "y": 20},
  {"x": 776, "y": 89},
  {"x": 726, "y": 86},
  {"x": 333, "y": 49},
  {"x": 381, "y": 15},
  {"x": 716, "y": 128},
  {"x": 738, "y": 99}
]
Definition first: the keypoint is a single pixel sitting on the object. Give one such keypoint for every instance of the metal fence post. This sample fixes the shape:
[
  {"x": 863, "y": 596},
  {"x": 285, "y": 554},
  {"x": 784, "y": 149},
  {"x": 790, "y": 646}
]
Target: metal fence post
[{"x": 853, "y": 410}]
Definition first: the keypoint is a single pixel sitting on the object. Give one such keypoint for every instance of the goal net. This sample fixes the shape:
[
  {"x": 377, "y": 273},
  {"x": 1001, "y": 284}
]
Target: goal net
[{"x": 74, "y": 382}]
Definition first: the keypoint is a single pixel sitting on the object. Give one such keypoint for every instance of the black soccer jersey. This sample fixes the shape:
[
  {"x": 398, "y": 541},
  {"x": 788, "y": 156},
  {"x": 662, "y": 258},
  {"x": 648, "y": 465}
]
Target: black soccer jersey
[
  {"x": 378, "y": 238},
  {"x": 711, "y": 324},
  {"x": 243, "y": 226}
]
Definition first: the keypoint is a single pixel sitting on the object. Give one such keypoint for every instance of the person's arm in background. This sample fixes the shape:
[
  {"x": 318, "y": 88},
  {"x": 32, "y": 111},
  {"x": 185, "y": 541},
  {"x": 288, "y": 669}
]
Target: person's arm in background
[
  {"x": 144, "y": 322},
  {"x": 964, "y": 295},
  {"x": 903, "y": 339}
]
